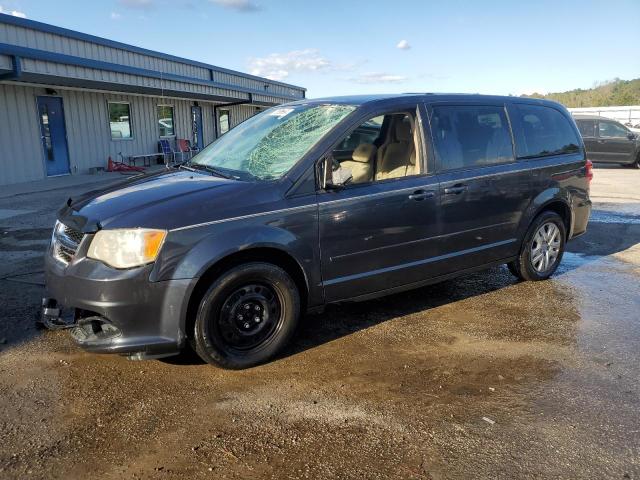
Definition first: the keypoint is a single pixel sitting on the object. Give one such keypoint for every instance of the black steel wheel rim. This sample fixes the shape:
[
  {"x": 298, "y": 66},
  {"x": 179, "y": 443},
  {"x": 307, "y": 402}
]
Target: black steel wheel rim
[{"x": 249, "y": 317}]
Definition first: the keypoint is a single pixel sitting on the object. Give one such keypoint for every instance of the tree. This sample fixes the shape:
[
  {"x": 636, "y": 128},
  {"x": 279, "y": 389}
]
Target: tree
[{"x": 603, "y": 94}]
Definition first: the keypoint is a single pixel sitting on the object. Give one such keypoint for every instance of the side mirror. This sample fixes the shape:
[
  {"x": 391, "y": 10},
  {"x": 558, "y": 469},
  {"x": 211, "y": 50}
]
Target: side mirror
[
  {"x": 631, "y": 136},
  {"x": 335, "y": 176}
]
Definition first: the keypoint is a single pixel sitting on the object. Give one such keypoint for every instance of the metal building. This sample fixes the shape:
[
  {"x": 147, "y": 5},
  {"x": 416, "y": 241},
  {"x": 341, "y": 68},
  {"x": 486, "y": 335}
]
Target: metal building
[{"x": 69, "y": 100}]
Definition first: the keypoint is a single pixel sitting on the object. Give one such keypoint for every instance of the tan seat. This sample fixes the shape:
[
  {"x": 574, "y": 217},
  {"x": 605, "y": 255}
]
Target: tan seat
[
  {"x": 361, "y": 163},
  {"x": 397, "y": 158}
]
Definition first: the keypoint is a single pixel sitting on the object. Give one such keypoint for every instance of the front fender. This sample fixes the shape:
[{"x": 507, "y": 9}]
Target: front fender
[{"x": 186, "y": 258}]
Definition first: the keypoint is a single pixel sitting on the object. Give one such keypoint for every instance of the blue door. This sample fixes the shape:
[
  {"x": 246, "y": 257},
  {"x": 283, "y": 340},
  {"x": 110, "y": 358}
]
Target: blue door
[
  {"x": 53, "y": 135},
  {"x": 196, "y": 116}
]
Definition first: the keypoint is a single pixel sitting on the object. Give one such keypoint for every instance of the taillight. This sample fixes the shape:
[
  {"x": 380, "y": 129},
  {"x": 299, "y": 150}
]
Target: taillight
[{"x": 588, "y": 166}]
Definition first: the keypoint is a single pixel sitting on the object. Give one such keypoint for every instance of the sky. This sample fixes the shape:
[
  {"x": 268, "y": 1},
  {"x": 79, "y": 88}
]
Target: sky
[{"x": 376, "y": 46}]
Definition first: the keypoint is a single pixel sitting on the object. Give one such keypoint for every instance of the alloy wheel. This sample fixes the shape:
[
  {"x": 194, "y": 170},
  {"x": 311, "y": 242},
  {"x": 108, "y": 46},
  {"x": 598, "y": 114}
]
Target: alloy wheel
[{"x": 545, "y": 247}]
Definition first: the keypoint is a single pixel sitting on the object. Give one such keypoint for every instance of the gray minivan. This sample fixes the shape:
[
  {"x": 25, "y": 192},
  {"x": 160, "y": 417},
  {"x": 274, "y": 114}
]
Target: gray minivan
[{"x": 314, "y": 202}]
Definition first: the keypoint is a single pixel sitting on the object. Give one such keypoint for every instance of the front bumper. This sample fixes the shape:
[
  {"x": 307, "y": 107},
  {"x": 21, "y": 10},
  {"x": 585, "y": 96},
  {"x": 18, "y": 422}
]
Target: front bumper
[{"x": 117, "y": 311}]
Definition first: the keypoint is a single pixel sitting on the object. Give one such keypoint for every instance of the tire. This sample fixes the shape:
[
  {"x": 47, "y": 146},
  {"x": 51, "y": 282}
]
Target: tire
[
  {"x": 636, "y": 164},
  {"x": 534, "y": 269},
  {"x": 227, "y": 335}
]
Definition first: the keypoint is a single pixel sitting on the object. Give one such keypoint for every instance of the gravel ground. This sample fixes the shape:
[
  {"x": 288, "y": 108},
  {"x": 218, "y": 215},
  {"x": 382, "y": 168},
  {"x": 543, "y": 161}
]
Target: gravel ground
[{"x": 479, "y": 377}]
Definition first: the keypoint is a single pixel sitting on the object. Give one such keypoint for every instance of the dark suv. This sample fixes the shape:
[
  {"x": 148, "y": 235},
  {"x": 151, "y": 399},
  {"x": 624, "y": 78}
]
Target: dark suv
[
  {"x": 608, "y": 141},
  {"x": 310, "y": 203}
]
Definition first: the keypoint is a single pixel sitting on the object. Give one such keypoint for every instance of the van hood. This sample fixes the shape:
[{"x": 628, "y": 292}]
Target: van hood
[{"x": 170, "y": 199}]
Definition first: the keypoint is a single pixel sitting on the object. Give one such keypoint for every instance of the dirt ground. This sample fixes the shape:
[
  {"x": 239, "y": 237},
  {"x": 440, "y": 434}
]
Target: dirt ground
[{"x": 479, "y": 377}]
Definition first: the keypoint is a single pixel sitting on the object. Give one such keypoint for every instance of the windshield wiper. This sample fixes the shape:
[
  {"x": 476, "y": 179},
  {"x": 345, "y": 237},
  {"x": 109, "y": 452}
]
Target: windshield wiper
[{"x": 208, "y": 168}]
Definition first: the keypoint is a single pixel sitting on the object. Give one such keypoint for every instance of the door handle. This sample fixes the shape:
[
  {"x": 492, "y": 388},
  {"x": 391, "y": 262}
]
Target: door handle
[
  {"x": 455, "y": 190},
  {"x": 419, "y": 195},
  {"x": 601, "y": 141}
]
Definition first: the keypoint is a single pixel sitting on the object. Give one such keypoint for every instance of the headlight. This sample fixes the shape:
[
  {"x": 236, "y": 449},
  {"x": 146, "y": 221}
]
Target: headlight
[{"x": 126, "y": 248}]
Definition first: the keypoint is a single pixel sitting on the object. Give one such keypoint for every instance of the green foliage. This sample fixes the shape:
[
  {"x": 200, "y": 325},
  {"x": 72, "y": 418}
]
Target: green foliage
[{"x": 606, "y": 94}]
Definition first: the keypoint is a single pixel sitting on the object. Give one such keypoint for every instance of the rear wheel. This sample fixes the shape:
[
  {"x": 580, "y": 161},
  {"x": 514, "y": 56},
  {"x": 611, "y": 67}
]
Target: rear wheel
[
  {"x": 542, "y": 249},
  {"x": 246, "y": 316}
]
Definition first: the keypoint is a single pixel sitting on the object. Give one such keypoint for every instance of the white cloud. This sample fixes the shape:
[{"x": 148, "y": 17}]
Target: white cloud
[
  {"x": 376, "y": 77},
  {"x": 14, "y": 13},
  {"x": 115, "y": 16},
  {"x": 279, "y": 66},
  {"x": 238, "y": 5},
  {"x": 403, "y": 45},
  {"x": 139, "y": 4}
]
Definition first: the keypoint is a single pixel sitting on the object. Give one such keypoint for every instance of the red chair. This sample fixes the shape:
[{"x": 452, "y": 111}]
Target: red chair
[{"x": 184, "y": 147}]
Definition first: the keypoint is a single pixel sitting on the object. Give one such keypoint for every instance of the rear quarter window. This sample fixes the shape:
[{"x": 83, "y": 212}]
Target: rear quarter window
[
  {"x": 587, "y": 127},
  {"x": 544, "y": 131}
]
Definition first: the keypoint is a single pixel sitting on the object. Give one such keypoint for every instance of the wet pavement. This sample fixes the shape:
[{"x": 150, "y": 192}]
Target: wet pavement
[{"x": 478, "y": 377}]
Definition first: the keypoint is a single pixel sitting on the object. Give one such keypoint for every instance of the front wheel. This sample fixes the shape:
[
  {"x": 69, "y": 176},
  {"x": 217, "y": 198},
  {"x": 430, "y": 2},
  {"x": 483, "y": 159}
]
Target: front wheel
[
  {"x": 542, "y": 249},
  {"x": 246, "y": 316}
]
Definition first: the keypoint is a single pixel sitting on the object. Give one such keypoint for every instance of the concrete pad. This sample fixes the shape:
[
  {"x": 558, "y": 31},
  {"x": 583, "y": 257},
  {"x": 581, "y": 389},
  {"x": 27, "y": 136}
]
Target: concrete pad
[{"x": 6, "y": 213}]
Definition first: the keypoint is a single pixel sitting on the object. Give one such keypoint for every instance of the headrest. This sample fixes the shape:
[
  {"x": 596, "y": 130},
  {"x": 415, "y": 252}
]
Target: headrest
[
  {"x": 364, "y": 153},
  {"x": 403, "y": 130}
]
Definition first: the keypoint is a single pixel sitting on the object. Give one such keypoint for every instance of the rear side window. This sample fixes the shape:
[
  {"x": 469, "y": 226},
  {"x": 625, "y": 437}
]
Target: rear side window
[
  {"x": 545, "y": 131},
  {"x": 471, "y": 136},
  {"x": 587, "y": 127}
]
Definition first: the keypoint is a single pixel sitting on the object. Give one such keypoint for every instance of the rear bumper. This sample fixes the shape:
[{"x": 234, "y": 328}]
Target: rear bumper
[
  {"x": 581, "y": 214},
  {"x": 118, "y": 311}
]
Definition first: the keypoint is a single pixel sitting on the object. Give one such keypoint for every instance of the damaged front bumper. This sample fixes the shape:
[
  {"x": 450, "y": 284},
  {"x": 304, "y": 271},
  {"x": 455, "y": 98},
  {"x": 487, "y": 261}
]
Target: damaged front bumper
[{"x": 115, "y": 311}]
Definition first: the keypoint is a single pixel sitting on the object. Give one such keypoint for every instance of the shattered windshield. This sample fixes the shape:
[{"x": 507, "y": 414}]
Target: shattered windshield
[{"x": 267, "y": 145}]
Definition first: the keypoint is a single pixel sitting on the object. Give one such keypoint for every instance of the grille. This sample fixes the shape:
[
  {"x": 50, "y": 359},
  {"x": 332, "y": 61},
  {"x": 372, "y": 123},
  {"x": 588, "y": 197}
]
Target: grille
[
  {"x": 74, "y": 235},
  {"x": 65, "y": 242}
]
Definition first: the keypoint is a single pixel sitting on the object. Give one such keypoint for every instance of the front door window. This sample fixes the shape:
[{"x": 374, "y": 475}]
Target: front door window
[
  {"x": 612, "y": 130},
  {"x": 382, "y": 147}
]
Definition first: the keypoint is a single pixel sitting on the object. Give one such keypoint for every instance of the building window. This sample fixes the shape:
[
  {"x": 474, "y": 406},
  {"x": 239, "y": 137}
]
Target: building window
[
  {"x": 224, "y": 121},
  {"x": 165, "y": 120},
  {"x": 120, "y": 120}
]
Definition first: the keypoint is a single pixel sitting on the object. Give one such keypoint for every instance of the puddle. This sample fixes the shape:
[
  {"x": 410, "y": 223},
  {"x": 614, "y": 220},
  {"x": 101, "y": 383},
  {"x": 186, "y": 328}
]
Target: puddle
[{"x": 605, "y": 216}]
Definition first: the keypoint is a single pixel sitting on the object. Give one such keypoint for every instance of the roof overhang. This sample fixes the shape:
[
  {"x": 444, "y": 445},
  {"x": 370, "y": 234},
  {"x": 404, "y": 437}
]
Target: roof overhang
[
  {"x": 165, "y": 83},
  {"x": 105, "y": 42}
]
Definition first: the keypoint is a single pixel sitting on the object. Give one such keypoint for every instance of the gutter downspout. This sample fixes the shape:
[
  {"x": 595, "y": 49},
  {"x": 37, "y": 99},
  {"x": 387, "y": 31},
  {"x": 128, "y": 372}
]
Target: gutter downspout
[
  {"x": 215, "y": 111},
  {"x": 16, "y": 73}
]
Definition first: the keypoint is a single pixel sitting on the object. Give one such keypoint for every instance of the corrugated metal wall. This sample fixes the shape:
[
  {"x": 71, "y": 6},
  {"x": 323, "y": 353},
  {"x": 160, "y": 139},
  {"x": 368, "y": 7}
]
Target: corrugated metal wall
[
  {"x": 88, "y": 131},
  {"x": 41, "y": 40},
  {"x": 21, "y": 157}
]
